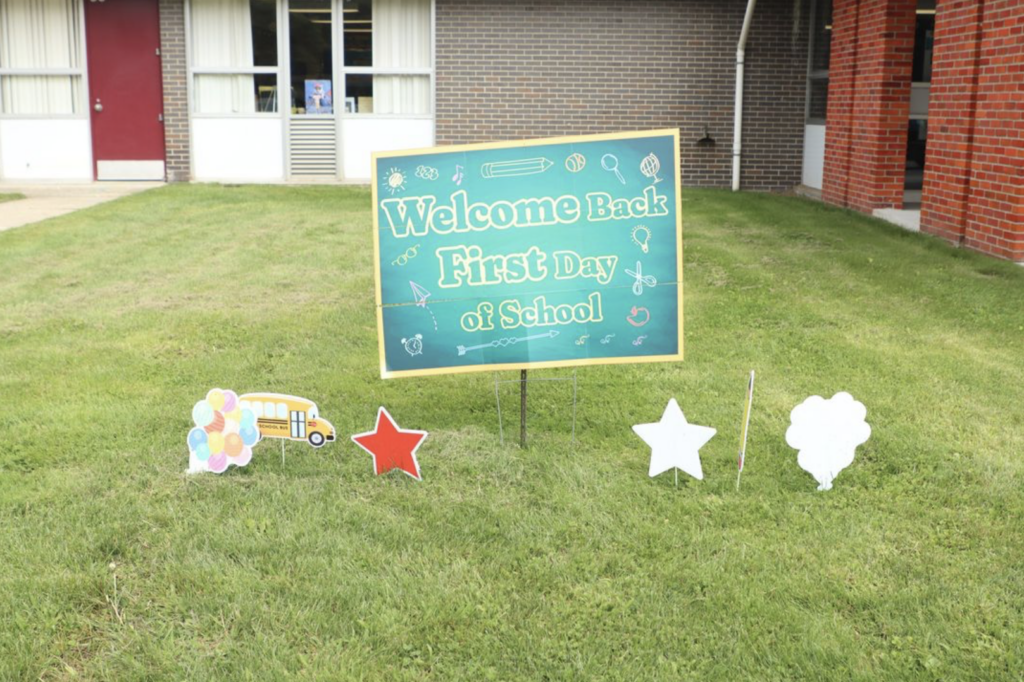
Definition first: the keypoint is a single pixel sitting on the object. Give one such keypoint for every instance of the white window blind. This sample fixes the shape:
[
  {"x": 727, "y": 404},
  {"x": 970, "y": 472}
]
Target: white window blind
[
  {"x": 40, "y": 57},
  {"x": 234, "y": 56},
  {"x": 222, "y": 39},
  {"x": 401, "y": 40}
]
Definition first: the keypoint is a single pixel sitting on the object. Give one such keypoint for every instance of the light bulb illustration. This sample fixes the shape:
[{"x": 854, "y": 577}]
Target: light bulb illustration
[{"x": 641, "y": 235}]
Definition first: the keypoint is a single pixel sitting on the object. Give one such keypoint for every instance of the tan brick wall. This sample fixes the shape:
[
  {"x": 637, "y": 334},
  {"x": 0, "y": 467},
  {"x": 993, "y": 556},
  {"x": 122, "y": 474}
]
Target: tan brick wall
[
  {"x": 514, "y": 69},
  {"x": 172, "y": 52}
]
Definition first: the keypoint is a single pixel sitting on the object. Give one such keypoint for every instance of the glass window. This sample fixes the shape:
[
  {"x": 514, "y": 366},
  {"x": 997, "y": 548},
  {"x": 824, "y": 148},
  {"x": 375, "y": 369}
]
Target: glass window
[
  {"x": 282, "y": 411},
  {"x": 817, "y": 105},
  {"x": 310, "y": 34},
  {"x": 369, "y": 94},
  {"x": 234, "y": 39},
  {"x": 821, "y": 35},
  {"x": 41, "y": 95},
  {"x": 233, "y": 34},
  {"x": 357, "y": 16},
  {"x": 818, "y": 60},
  {"x": 401, "y": 31},
  {"x": 268, "y": 410},
  {"x": 41, "y": 36},
  {"x": 392, "y": 35},
  {"x": 235, "y": 94},
  {"x": 924, "y": 39},
  {"x": 257, "y": 409}
]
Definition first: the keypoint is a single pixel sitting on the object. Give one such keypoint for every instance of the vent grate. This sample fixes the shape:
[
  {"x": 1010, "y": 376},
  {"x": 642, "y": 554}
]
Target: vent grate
[{"x": 313, "y": 148}]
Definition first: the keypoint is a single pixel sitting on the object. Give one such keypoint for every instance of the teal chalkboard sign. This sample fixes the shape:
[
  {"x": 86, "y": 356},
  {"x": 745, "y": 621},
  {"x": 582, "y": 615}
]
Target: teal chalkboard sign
[{"x": 544, "y": 253}]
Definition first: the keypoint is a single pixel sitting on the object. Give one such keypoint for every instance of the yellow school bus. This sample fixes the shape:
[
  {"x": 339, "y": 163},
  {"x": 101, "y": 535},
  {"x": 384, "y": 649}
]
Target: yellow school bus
[{"x": 288, "y": 416}]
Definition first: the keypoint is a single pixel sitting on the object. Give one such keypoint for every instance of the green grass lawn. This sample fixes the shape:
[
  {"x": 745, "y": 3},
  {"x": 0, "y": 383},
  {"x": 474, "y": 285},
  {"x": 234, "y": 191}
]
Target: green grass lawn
[
  {"x": 551, "y": 563},
  {"x": 10, "y": 197}
]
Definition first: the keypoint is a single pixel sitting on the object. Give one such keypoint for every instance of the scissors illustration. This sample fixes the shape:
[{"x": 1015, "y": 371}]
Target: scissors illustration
[{"x": 641, "y": 279}]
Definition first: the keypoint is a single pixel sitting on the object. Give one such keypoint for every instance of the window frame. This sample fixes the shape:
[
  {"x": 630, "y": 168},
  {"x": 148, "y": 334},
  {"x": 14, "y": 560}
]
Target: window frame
[
  {"x": 193, "y": 70},
  {"x": 283, "y": 70},
  {"x": 82, "y": 72},
  {"x": 813, "y": 74},
  {"x": 345, "y": 71}
]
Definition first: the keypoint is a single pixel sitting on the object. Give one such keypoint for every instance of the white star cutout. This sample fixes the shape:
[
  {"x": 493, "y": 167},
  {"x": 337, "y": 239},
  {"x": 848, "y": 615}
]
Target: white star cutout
[{"x": 674, "y": 442}]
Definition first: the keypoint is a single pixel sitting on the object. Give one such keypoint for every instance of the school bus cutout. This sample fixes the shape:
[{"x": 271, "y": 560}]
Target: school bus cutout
[{"x": 288, "y": 416}]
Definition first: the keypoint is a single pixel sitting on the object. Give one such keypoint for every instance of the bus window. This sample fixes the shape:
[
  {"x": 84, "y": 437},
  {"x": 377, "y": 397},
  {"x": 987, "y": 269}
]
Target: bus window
[
  {"x": 313, "y": 412},
  {"x": 257, "y": 409},
  {"x": 268, "y": 410},
  {"x": 282, "y": 411}
]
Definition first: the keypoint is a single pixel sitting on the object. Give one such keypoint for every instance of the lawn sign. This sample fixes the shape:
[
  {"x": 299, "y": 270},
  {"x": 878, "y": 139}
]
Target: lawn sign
[
  {"x": 391, "y": 446},
  {"x": 827, "y": 433},
  {"x": 540, "y": 253},
  {"x": 227, "y": 426},
  {"x": 675, "y": 443},
  {"x": 224, "y": 433}
]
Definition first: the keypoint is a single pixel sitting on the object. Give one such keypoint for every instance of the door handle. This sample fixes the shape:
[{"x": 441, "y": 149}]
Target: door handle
[{"x": 98, "y": 106}]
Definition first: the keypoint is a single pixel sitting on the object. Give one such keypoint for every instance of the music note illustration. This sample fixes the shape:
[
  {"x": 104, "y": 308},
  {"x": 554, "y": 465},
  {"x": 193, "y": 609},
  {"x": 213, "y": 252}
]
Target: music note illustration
[{"x": 457, "y": 178}]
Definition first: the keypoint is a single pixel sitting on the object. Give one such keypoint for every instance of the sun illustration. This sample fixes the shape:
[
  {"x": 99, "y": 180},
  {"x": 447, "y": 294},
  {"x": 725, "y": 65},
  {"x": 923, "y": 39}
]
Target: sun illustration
[{"x": 395, "y": 181}]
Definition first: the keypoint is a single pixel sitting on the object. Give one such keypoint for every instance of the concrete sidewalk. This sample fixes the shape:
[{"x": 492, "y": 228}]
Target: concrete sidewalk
[{"x": 48, "y": 200}]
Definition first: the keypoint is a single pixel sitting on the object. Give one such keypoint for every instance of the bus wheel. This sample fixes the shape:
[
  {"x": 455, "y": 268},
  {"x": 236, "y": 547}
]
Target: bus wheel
[{"x": 316, "y": 439}]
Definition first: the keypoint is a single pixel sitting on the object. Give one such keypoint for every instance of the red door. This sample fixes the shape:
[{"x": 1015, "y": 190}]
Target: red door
[{"x": 122, "y": 39}]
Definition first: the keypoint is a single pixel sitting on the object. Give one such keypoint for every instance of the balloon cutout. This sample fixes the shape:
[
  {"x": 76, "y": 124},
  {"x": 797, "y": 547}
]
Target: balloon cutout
[
  {"x": 827, "y": 432},
  {"x": 224, "y": 433}
]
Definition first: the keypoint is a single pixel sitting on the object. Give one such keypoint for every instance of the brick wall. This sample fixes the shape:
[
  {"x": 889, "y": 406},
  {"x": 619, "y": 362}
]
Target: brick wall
[
  {"x": 869, "y": 103},
  {"x": 974, "y": 176},
  {"x": 513, "y": 69},
  {"x": 172, "y": 52}
]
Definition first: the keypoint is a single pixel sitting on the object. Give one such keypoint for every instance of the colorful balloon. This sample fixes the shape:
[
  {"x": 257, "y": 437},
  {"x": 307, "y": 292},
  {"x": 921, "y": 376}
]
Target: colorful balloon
[
  {"x": 218, "y": 463},
  {"x": 216, "y": 399},
  {"x": 230, "y": 401},
  {"x": 234, "y": 415},
  {"x": 216, "y": 424},
  {"x": 202, "y": 452},
  {"x": 233, "y": 445},
  {"x": 202, "y": 413},
  {"x": 244, "y": 457},
  {"x": 248, "y": 417},
  {"x": 216, "y": 442},
  {"x": 196, "y": 437},
  {"x": 250, "y": 436},
  {"x": 230, "y": 426}
]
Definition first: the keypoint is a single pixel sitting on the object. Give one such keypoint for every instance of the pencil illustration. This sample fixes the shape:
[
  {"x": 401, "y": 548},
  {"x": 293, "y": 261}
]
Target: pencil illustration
[{"x": 507, "y": 169}]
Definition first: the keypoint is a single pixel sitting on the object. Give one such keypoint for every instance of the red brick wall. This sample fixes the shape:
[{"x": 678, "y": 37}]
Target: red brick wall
[
  {"x": 869, "y": 103},
  {"x": 513, "y": 69},
  {"x": 974, "y": 175},
  {"x": 172, "y": 56}
]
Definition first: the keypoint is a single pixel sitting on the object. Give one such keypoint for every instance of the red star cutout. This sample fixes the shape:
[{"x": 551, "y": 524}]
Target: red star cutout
[{"x": 391, "y": 447}]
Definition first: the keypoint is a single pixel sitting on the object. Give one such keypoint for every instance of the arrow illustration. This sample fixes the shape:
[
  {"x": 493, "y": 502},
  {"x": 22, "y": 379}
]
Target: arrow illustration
[{"x": 508, "y": 341}]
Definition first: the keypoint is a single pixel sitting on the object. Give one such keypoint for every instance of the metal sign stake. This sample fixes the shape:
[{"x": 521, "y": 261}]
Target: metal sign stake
[{"x": 522, "y": 409}]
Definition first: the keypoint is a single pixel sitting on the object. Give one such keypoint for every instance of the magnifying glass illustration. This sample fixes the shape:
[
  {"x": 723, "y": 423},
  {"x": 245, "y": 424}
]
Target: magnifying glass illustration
[{"x": 610, "y": 162}]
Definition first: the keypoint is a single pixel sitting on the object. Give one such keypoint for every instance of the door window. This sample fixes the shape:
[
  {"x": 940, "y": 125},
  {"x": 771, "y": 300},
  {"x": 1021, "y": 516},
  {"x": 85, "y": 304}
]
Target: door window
[
  {"x": 298, "y": 423},
  {"x": 311, "y": 36}
]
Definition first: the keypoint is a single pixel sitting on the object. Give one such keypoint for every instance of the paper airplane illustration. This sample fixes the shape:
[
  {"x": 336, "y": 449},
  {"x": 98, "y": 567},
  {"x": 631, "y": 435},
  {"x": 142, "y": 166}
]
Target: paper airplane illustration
[{"x": 420, "y": 295}]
